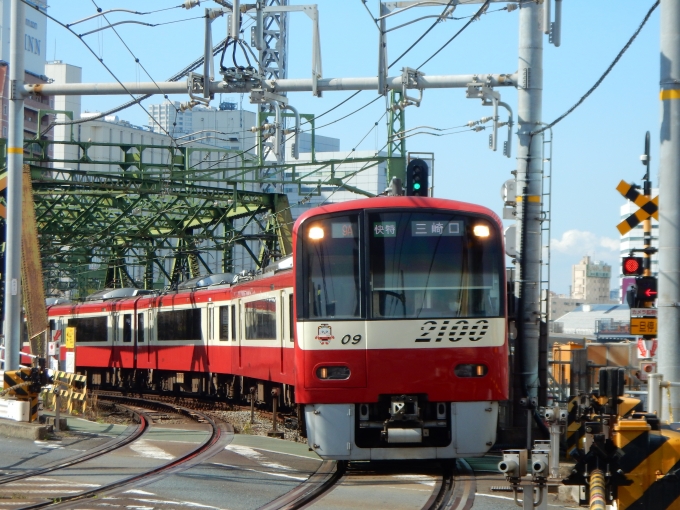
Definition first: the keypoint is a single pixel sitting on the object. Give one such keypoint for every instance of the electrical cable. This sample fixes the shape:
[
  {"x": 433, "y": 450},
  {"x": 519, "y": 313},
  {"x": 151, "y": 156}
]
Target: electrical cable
[
  {"x": 147, "y": 73},
  {"x": 437, "y": 21},
  {"x": 604, "y": 75},
  {"x": 176, "y": 77},
  {"x": 481, "y": 11},
  {"x": 101, "y": 60}
]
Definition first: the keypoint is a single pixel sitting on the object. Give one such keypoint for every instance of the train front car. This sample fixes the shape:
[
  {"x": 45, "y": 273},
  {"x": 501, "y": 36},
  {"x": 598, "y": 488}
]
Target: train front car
[{"x": 401, "y": 336}]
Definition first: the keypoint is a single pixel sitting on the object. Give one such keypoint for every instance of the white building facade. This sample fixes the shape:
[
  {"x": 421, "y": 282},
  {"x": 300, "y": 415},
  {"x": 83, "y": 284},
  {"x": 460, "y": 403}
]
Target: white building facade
[{"x": 35, "y": 38}]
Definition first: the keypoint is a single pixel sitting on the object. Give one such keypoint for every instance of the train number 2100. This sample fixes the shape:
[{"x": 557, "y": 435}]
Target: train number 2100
[{"x": 349, "y": 338}]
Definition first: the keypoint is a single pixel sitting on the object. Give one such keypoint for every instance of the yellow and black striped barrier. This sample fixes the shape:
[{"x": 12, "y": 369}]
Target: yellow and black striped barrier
[
  {"x": 651, "y": 460},
  {"x": 24, "y": 385},
  {"x": 75, "y": 392}
]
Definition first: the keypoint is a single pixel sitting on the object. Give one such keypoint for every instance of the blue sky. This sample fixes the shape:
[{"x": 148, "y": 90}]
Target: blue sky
[{"x": 594, "y": 148}]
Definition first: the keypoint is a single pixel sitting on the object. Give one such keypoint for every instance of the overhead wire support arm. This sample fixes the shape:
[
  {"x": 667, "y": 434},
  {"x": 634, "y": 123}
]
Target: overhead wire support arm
[
  {"x": 115, "y": 24},
  {"x": 276, "y": 86},
  {"x": 104, "y": 13}
]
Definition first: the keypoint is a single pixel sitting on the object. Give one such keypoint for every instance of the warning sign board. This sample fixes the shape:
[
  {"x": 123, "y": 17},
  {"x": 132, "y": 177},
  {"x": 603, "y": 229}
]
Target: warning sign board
[
  {"x": 70, "y": 338},
  {"x": 643, "y": 325}
]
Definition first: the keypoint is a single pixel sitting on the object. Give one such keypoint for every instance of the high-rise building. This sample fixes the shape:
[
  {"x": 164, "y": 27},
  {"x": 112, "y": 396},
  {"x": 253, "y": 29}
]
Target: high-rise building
[
  {"x": 362, "y": 175},
  {"x": 224, "y": 127},
  {"x": 590, "y": 281},
  {"x": 35, "y": 38}
]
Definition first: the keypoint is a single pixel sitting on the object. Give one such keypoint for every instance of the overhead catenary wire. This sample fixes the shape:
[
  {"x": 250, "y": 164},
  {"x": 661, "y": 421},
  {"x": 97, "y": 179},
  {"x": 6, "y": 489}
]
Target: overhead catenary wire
[
  {"x": 481, "y": 10},
  {"x": 604, "y": 75},
  {"x": 101, "y": 60},
  {"x": 138, "y": 62}
]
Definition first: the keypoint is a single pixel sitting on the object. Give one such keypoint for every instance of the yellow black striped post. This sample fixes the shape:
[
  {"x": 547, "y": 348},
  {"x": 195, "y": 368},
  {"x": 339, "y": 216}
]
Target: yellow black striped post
[
  {"x": 575, "y": 429},
  {"x": 651, "y": 460},
  {"x": 598, "y": 500},
  {"x": 35, "y": 401}
]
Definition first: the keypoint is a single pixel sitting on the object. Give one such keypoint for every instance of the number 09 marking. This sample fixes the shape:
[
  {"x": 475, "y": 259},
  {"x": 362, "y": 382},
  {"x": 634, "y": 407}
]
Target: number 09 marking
[{"x": 354, "y": 339}]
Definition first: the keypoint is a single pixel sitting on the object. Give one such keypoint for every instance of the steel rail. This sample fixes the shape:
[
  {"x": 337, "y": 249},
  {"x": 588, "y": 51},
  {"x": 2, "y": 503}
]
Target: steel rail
[
  {"x": 456, "y": 490},
  {"x": 330, "y": 472},
  {"x": 129, "y": 435},
  {"x": 211, "y": 446}
]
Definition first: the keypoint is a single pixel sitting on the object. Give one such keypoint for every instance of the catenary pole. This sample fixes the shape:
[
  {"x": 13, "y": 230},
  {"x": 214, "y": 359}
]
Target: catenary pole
[
  {"x": 529, "y": 191},
  {"x": 15, "y": 156},
  {"x": 669, "y": 203}
]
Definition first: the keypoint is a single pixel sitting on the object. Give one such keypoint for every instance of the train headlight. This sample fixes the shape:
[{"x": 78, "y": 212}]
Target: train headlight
[
  {"x": 315, "y": 233},
  {"x": 333, "y": 373},
  {"x": 481, "y": 230},
  {"x": 471, "y": 370}
]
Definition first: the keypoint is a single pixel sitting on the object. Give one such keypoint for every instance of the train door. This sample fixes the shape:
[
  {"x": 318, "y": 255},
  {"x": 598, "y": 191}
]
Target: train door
[
  {"x": 57, "y": 336},
  {"x": 283, "y": 330},
  {"x": 114, "y": 335},
  {"x": 152, "y": 337},
  {"x": 210, "y": 333},
  {"x": 238, "y": 323}
]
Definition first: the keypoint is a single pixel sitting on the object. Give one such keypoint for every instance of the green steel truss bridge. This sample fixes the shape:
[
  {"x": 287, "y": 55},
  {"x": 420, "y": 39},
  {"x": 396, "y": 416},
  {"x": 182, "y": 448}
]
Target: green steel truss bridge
[{"x": 136, "y": 219}]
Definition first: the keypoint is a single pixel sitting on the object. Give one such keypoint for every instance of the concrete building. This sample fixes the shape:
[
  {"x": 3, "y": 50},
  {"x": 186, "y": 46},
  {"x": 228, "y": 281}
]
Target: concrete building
[
  {"x": 35, "y": 39},
  {"x": 606, "y": 322},
  {"x": 590, "y": 281},
  {"x": 224, "y": 127},
  {"x": 373, "y": 179},
  {"x": 561, "y": 305}
]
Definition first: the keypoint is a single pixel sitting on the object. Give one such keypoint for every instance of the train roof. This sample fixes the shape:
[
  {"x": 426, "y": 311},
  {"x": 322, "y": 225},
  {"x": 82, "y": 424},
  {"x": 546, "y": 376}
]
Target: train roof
[{"x": 398, "y": 202}]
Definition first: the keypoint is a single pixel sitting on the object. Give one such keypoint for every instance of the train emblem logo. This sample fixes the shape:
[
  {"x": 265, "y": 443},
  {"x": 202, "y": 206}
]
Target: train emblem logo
[{"x": 325, "y": 334}]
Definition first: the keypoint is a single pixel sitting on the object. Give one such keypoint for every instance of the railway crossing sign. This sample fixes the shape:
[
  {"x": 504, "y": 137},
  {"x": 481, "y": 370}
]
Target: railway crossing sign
[{"x": 648, "y": 207}]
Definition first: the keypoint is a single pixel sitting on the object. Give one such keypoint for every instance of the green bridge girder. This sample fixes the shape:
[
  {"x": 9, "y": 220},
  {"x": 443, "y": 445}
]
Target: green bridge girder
[{"x": 119, "y": 226}]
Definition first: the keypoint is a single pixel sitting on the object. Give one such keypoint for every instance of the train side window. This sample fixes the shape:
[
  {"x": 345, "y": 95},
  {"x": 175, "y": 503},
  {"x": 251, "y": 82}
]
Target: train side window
[
  {"x": 260, "y": 319},
  {"x": 90, "y": 329},
  {"x": 233, "y": 323},
  {"x": 140, "y": 327},
  {"x": 180, "y": 325},
  {"x": 291, "y": 318},
  {"x": 127, "y": 327},
  {"x": 224, "y": 323}
]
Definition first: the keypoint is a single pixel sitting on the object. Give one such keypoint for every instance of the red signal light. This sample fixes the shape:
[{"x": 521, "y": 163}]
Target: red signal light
[{"x": 632, "y": 266}]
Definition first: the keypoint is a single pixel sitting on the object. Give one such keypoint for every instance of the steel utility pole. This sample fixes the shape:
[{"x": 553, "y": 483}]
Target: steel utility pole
[
  {"x": 15, "y": 157},
  {"x": 529, "y": 192},
  {"x": 669, "y": 203}
]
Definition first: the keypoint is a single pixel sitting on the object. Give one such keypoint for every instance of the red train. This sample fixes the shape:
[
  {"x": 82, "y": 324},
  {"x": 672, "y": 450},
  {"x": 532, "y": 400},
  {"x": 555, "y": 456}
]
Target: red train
[{"x": 387, "y": 328}]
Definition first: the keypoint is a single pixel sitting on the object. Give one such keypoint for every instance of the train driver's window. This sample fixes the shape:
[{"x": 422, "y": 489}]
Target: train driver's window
[
  {"x": 432, "y": 265},
  {"x": 224, "y": 323},
  {"x": 331, "y": 278}
]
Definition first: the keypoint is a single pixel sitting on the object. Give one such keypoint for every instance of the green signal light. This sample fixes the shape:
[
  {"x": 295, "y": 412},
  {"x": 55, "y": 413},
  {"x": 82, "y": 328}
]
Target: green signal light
[{"x": 416, "y": 185}]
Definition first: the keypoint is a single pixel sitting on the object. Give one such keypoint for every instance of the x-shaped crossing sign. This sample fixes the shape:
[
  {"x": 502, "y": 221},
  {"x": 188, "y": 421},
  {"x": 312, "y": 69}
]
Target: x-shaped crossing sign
[{"x": 648, "y": 207}]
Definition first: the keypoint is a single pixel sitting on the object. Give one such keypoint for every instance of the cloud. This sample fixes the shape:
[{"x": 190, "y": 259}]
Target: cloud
[{"x": 579, "y": 243}]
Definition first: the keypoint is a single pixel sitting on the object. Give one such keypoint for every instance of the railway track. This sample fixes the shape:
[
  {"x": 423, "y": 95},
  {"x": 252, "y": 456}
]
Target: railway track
[
  {"x": 129, "y": 435},
  {"x": 219, "y": 436},
  {"x": 454, "y": 489}
]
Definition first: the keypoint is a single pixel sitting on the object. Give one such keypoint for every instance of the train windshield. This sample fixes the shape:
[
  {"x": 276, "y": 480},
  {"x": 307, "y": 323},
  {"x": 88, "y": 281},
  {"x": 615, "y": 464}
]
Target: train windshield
[
  {"x": 431, "y": 265},
  {"x": 332, "y": 285}
]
